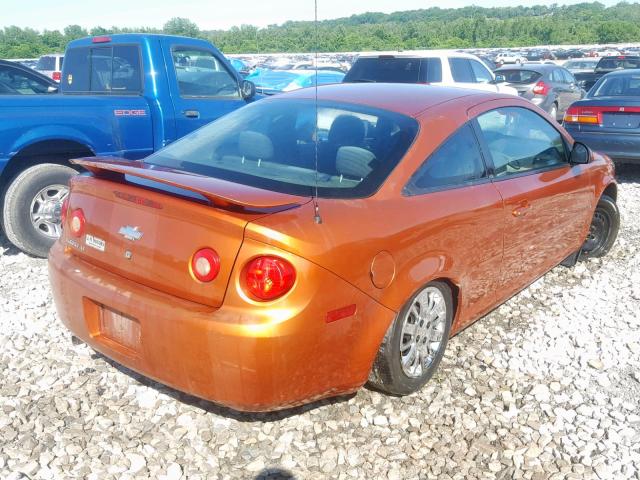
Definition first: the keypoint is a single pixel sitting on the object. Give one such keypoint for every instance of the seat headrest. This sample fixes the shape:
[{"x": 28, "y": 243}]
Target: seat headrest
[
  {"x": 255, "y": 145},
  {"x": 354, "y": 162},
  {"x": 347, "y": 130}
]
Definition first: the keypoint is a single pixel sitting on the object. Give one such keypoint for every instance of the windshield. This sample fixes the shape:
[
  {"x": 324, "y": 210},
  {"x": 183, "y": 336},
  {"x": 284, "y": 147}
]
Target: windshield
[
  {"x": 517, "y": 76},
  {"x": 618, "y": 86},
  {"x": 271, "y": 145}
]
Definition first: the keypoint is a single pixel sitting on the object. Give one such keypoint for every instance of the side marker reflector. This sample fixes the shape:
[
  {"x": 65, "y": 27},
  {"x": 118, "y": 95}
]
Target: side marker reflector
[{"x": 340, "y": 313}]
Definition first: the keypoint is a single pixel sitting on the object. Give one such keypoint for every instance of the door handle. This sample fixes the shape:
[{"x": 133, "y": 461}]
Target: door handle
[
  {"x": 191, "y": 113},
  {"x": 521, "y": 210}
]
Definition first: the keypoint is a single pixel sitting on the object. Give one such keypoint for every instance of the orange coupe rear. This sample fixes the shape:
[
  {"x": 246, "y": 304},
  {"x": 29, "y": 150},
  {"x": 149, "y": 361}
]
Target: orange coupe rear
[{"x": 295, "y": 249}]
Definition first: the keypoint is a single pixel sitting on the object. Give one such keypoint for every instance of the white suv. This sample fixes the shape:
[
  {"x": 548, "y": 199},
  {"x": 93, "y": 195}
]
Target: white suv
[
  {"x": 432, "y": 67},
  {"x": 50, "y": 65}
]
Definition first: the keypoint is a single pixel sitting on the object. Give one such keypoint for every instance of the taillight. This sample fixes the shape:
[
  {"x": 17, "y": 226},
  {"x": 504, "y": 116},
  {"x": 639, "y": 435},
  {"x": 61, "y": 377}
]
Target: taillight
[
  {"x": 56, "y": 76},
  {"x": 268, "y": 278},
  {"x": 205, "y": 264},
  {"x": 541, "y": 88},
  {"x": 584, "y": 115},
  {"x": 63, "y": 211},
  {"x": 76, "y": 223}
]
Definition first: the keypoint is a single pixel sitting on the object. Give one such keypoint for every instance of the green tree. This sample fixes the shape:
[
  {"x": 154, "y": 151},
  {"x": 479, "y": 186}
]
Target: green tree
[{"x": 181, "y": 26}]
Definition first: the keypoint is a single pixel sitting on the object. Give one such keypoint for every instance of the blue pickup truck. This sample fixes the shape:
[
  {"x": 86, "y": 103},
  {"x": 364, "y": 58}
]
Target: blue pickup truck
[{"x": 124, "y": 95}]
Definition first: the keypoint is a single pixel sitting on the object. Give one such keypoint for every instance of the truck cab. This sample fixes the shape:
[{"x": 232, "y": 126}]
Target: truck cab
[{"x": 124, "y": 95}]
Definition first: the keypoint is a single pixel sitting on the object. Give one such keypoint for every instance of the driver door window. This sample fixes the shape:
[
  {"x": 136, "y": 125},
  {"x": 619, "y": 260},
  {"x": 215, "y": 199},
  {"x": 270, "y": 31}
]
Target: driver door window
[
  {"x": 520, "y": 141},
  {"x": 201, "y": 75}
]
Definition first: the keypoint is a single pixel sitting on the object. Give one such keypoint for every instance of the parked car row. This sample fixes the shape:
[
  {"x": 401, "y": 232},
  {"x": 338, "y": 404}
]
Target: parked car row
[{"x": 110, "y": 78}]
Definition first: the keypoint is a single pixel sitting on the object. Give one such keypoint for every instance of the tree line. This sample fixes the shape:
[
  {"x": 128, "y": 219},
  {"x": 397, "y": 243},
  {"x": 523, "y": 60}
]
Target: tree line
[{"x": 584, "y": 23}]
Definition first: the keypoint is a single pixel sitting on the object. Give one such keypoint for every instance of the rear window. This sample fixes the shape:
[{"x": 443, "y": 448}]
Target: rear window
[
  {"x": 517, "y": 76},
  {"x": 617, "y": 86},
  {"x": 395, "y": 70},
  {"x": 618, "y": 62},
  {"x": 46, "y": 63},
  {"x": 109, "y": 70},
  {"x": 272, "y": 145}
]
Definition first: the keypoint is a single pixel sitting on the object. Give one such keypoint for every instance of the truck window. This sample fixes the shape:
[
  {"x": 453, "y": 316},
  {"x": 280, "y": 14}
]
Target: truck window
[
  {"x": 201, "y": 74},
  {"x": 109, "y": 70}
]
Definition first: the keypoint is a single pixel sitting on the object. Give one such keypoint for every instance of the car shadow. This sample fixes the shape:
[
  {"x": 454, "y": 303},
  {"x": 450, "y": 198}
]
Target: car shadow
[
  {"x": 220, "y": 410},
  {"x": 275, "y": 474},
  {"x": 628, "y": 173}
]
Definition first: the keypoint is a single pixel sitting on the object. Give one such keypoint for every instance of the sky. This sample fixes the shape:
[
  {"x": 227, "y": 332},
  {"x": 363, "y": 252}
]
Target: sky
[{"x": 210, "y": 15}]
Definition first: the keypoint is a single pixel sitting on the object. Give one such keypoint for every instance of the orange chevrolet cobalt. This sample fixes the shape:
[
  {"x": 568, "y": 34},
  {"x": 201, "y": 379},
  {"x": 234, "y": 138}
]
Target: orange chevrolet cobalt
[{"x": 300, "y": 247}]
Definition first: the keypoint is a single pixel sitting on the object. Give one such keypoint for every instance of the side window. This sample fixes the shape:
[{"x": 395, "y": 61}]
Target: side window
[
  {"x": 568, "y": 77},
  {"x": 21, "y": 82},
  {"x": 557, "y": 77},
  {"x": 200, "y": 74},
  {"x": 461, "y": 70},
  {"x": 456, "y": 162},
  {"x": 520, "y": 140},
  {"x": 480, "y": 72},
  {"x": 115, "y": 70},
  {"x": 431, "y": 70}
]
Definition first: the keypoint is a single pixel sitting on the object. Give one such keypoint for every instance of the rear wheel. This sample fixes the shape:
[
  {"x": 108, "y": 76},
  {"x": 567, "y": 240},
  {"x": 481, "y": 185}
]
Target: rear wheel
[
  {"x": 32, "y": 207},
  {"x": 415, "y": 343},
  {"x": 603, "y": 230}
]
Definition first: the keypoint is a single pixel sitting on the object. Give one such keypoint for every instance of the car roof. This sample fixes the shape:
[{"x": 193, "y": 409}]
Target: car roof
[
  {"x": 405, "y": 98},
  {"x": 626, "y": 71},
  {"x": 417, "y": 54}
]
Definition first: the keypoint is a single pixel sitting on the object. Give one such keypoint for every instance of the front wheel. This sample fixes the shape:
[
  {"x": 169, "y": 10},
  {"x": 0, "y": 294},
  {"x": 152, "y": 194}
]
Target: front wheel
[
  {"x": 603, "y": 230},
  {"x": 415, "y": 342},
  {"x": 32, "y": 207}
]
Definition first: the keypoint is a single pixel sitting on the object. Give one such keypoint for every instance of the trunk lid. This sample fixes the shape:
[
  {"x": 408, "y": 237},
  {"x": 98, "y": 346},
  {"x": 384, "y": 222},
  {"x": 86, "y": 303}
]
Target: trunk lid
[{"x": 145, "y": 223}]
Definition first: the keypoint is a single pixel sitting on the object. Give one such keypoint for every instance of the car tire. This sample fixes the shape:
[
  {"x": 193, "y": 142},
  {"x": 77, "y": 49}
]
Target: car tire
[
  {"x": 603, "y": 230},
  {"x": 553, "y": 111},
  {"x": 423, "y": 327},
  {"x": 31, "y": 213}
]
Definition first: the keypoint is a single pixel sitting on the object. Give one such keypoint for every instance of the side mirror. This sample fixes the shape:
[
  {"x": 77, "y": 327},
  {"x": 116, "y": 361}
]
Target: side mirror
[
  {"x": 52, "y": 89},
  {"x": 500, "y": 79},
  {"x": 580, "y": 154},
  {"x": 247, "y": 89}
]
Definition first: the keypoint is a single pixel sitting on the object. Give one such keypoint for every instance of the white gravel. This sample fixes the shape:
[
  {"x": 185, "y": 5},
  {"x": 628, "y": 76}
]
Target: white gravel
[{"x": 546, "y": 386}]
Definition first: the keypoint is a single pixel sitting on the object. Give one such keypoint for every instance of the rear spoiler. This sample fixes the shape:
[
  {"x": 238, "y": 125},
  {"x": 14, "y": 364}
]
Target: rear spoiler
[{"x": 219, "y": 193}]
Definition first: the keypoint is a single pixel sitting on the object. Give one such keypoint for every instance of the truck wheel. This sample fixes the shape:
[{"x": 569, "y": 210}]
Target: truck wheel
[{"x": 32, "y": 207}]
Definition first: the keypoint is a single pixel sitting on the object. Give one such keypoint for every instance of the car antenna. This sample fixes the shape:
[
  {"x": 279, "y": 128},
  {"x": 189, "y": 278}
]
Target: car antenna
[{"x": 316, "y": 207}]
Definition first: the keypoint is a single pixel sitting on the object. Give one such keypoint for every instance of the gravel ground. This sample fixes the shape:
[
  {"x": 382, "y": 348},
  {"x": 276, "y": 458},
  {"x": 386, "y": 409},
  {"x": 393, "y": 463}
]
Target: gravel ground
[{"x": 546, "y": 386}]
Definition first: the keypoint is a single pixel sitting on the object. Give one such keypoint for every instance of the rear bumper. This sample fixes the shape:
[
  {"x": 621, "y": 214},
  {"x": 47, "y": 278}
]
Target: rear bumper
[
  {"x": 247, "y": 357},
  {"x": 619, "y": 147}
]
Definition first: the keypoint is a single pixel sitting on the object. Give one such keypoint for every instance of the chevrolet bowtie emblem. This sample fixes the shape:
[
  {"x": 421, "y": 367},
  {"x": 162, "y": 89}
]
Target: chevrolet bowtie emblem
[{"x": 130, "y": 233}]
